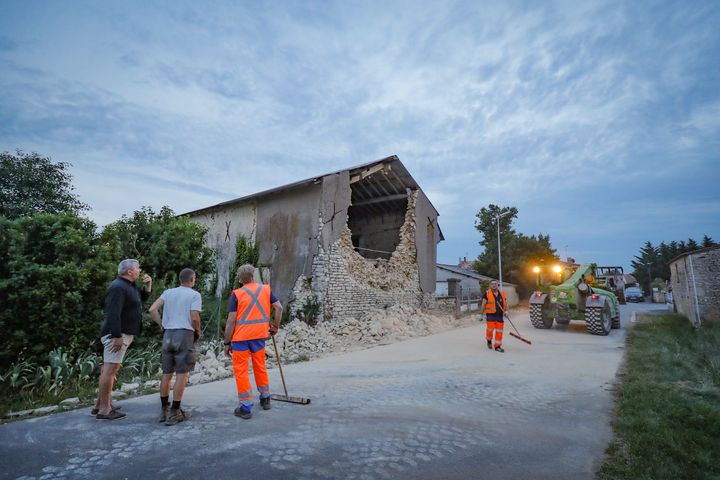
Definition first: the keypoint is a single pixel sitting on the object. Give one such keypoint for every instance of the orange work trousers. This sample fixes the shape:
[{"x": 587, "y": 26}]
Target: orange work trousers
[
  {"x": 497, "y": 329},
  {"x": 241, "y": 361}
]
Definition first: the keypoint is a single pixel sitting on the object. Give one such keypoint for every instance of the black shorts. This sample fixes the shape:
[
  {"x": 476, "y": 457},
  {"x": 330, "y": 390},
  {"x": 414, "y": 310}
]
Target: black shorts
[{"x": 178, "y": 351}]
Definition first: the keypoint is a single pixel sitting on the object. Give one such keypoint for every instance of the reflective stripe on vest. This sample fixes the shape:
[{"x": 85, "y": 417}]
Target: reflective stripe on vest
[
  {"x": 254, "y": 302},
  {"x": 490, "y": 306},
  {"x": 252, "y": 318}
]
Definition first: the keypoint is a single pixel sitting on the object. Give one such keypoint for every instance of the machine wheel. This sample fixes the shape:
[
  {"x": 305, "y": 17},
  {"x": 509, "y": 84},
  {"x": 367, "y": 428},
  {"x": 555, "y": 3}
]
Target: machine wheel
[
  {"x": 615, "y": 323},
  {"x": 597, "y": 320},
  {"x": 539, "y": 316}
]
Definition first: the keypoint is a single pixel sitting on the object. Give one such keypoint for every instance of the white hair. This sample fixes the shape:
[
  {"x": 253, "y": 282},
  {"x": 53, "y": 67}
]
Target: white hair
[{"x": 127, "y": 265}]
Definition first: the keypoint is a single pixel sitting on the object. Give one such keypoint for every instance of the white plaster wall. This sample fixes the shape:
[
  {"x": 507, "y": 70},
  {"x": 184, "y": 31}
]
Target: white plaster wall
[{"x": 224, "y": 226}]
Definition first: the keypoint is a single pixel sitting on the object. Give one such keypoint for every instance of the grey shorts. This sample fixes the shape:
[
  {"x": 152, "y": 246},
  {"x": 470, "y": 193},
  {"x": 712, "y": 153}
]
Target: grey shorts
[
  {"x": 115, "y": 357},
  {"x": 178, "y": 351}
]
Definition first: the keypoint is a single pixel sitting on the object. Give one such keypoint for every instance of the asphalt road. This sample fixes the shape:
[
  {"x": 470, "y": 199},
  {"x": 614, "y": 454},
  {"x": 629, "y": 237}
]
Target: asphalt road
[{"x": 442, "y": 406}]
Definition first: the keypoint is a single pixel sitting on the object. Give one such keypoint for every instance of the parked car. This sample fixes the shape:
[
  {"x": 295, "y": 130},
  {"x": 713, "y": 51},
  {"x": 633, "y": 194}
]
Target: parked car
[{"x": 634, "y": 294}]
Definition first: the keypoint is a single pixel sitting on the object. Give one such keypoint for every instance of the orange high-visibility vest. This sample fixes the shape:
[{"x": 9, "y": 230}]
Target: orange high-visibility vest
[
  {"x": 252, "y": 318},
  {"x": 490, "y": 305}
]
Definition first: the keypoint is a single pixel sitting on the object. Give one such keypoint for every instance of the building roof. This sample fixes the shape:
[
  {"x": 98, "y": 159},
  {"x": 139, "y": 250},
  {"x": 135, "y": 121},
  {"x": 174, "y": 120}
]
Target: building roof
[
  {"x": 468, "y": 273},
  {"x": 386, "y": 177}
]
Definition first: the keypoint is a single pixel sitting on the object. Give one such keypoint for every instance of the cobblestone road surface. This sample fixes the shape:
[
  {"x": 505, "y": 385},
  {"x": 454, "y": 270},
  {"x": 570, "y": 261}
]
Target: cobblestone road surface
[{"x": 438, "y": 407}]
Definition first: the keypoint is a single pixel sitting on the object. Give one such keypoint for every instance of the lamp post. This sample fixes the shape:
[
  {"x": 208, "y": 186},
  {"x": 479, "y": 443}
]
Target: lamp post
[
  {"x": 558, "y": 269},
  {"x": 498, "y": 216},
  {"x": 536, "y": 270}
]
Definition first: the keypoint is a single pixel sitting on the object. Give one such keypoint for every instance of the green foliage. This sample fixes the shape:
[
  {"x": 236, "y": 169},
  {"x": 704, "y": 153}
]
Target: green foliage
[
  {"x": 163, "y": 243},
  {"x": 52, "y": 285},
  {"x": 245, "y": 252},
  {"x": 33, "y": 184},
  {"x": 59, "y": 374},
  {"x": 309, "y": 311},
  {"x": 668, "y": 403},
  {"x": 518, "y": 251}
]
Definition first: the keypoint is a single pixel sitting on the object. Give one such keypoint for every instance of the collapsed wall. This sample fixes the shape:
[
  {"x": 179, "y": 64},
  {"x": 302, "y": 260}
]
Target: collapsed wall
[{"x": 347, "y": 285}]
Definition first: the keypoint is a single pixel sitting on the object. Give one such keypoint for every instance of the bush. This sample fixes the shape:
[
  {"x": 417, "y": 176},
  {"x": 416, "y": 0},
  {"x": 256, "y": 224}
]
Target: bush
[
  {"x": 52, "y": 285},
  {"x": 163, "y": 243}
]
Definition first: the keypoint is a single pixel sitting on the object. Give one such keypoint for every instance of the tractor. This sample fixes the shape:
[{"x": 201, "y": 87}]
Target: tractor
[{"x": 577, "y": 298}]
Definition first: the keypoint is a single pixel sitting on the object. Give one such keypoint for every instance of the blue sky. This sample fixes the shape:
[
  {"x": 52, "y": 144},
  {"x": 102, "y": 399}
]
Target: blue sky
[{"x": 599, "y": 121}]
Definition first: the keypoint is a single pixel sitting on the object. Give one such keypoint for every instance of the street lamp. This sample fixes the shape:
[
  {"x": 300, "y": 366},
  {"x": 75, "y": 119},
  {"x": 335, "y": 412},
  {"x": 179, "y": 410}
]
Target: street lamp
[
  {"x": 536, "y": 271},
  {"x": 498, "y": 216},
  {"x": 558, "y": 269}
]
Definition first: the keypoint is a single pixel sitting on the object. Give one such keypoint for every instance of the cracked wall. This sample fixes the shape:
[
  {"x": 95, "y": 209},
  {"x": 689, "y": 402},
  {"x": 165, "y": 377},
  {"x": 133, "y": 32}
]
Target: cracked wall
[
  {"x": 224, "y": 227},
  {"x": 348, "y": 285}
]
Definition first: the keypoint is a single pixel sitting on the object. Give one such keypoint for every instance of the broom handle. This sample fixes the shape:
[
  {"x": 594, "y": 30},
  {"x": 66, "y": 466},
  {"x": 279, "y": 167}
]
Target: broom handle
[
  {"x": 511, "y": 323},
  {"x": 277, "y": 356}
]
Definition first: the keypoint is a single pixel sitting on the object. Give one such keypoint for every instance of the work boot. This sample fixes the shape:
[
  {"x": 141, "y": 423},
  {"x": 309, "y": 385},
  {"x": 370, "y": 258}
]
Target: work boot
[
  {"x": 242, "y": 413},
  {"x": 499, "y": 349},
  {"x": 177, "y": 416},
  {"x": 265, "y": 403},
  {"x": 163, "y": 415},
  {"x": 489, "y": 344}
]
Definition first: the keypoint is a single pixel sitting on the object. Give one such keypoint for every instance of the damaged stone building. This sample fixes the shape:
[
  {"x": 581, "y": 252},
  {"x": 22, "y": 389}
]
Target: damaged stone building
[{"x": 359, "y": 238}]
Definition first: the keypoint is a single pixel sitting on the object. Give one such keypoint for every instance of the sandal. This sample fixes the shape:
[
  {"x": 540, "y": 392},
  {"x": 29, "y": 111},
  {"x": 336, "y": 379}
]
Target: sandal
[
  {"x": 113, "y": 415},
  {"x": 96, "y": 410}
]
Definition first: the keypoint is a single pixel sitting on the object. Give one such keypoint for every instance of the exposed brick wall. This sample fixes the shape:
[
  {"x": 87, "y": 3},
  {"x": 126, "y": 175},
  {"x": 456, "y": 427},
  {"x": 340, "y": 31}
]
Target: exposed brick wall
[
  {"x": 348, "y": 284},
  {"x": 695, "y": 280}
]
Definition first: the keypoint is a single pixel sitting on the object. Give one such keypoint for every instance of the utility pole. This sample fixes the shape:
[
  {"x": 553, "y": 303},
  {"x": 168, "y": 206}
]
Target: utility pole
[{"x": 497, "y": 219}]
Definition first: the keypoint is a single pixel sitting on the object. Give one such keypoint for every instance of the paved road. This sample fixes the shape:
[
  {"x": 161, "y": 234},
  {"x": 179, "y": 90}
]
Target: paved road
[{"x": 442, "y": 406}]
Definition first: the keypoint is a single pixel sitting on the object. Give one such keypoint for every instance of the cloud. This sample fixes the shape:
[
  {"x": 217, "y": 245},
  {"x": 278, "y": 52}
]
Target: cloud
[{"x": 567, "y": 110}]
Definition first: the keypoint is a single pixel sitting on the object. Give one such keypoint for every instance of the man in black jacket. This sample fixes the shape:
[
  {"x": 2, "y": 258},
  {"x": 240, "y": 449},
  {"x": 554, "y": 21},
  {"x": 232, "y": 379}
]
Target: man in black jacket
[{"x": 122, "y": 321}]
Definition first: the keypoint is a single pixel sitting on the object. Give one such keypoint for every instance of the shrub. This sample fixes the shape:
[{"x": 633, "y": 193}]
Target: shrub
[{"x": 52, "y": 285}]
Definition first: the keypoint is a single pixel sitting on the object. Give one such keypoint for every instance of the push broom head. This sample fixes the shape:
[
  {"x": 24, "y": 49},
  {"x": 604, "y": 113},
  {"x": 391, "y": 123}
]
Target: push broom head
[{"x": 285, "y": 398}]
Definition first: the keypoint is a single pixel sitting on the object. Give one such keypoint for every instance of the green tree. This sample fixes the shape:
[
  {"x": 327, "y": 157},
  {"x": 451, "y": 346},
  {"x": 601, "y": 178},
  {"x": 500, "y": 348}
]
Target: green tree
[
  {"x": 707, "y": 242},
  {"x": 33, "y": 184},
  {"x": 54, "y": 274},
  {"x": 518, "y": 251},
  {"x": 162, "y": 242},
  {"x": 647, "y": 265}
]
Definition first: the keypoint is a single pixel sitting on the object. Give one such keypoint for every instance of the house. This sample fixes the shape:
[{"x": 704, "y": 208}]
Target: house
[
  {"x": 469, "y": 281},
  {"x": 361, "y": 237},
  {"x": 695, "y": 285}
]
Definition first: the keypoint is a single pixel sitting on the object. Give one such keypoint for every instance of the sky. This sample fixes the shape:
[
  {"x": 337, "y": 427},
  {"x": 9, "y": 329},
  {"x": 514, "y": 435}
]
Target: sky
[{"x": 598, "y": 120}]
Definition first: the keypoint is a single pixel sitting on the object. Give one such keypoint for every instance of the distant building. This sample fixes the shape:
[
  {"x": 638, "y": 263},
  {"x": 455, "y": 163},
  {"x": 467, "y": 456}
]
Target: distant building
[{"x": 469, "y": 280}]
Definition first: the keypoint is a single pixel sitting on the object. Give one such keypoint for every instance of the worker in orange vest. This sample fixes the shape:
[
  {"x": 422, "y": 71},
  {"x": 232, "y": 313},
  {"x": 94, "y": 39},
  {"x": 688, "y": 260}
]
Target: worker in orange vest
[
  {"x": 494, "y": 307},
  {"x": 248, "y": 326}
]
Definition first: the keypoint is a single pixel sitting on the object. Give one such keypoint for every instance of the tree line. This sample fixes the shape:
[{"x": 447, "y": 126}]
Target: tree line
[
  {"x": 652, "y": 264},
  {"x": 56, "y": 263}
]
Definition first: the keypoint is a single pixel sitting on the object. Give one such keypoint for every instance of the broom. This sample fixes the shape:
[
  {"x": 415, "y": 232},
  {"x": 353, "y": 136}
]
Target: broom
[
  {"x": 286, "y": 397},
  {"x": 517, "y": 334}
]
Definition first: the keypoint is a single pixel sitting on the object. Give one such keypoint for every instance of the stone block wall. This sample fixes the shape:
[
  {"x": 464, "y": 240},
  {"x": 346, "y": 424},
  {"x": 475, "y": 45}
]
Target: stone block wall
[
  {"x": 348, "y": 285},
  {"x": 695, "y": 279}
]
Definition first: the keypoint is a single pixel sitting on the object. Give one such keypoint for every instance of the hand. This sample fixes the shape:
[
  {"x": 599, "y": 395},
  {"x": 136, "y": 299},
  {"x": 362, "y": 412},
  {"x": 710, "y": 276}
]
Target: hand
[
  {"x": 147, "y": 280},
  {"x": 273, "y": 330},
  {"x": 227, "y": 350},
  {"x": 196, "y": 335},
  {"x": 117, "y": 344}
]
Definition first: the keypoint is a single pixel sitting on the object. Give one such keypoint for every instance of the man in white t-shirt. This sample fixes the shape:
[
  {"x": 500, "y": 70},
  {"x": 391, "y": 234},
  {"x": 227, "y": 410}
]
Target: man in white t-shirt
[{"x": 181, "y": 307}]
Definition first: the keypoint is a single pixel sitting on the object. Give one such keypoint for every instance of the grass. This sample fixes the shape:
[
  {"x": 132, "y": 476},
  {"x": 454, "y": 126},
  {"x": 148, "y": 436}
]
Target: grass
[{"x": 667, "y": 421}]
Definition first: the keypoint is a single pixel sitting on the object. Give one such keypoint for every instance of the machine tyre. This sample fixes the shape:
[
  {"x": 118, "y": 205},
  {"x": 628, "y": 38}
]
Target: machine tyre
[
  {"x": 597, "y": 320},
  {"x": 615, "y": 324},
  {"x": 539, "y": 317}
]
